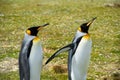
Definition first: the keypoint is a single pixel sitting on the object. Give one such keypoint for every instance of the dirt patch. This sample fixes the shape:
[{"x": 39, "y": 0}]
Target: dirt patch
[
  {"x": 60, "y": 68},
  {"x": 112, "y": 5},
  {"x": 113, "y": 72},
  {"x": 8, "y": 65}
]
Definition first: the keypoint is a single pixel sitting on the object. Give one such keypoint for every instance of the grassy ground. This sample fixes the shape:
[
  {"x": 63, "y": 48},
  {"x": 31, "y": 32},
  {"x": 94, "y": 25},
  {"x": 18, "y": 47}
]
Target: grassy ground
[{"x": 64, "y": 17}]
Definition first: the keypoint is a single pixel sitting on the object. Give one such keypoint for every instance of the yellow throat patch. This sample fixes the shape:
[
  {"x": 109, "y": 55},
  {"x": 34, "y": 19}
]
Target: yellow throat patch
[
  {"x": 87, "y": 36},
  {"x": 36, "y": 39}
]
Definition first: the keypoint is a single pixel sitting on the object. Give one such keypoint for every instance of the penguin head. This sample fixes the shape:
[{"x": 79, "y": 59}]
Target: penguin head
[
  {"x": 85, "y": 26},
  {"x": 33, "y": 31}
]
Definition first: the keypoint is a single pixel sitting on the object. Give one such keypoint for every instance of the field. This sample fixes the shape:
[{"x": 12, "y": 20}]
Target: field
[{"x": 64, "y": 16}]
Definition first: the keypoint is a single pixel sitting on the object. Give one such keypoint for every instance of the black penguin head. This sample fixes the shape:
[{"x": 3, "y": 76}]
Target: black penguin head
[
  {"x": 34, "y": 30},
  {"x": 85, "y": 26}
]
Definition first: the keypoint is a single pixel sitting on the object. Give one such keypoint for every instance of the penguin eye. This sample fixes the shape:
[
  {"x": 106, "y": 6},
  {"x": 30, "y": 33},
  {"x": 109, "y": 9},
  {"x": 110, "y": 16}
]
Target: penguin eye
[{"x": 28, "y": 32}]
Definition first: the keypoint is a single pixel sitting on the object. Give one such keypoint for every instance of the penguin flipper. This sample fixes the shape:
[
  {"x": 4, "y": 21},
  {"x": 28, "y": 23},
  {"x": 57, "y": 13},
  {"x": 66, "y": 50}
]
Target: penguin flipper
[
  {"x": 24, "y": 61},
  {"x": 63, "y": 49}
]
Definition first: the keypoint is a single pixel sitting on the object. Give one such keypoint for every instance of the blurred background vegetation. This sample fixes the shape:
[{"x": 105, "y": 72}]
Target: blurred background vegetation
[{"x": 64, "y": 17}]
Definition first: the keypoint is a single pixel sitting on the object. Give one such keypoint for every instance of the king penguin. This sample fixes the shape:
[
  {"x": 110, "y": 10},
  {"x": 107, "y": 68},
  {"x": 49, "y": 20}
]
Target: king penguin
[
  {"x": 31, "y": 55},
  {"x": 79, "y": 53}
]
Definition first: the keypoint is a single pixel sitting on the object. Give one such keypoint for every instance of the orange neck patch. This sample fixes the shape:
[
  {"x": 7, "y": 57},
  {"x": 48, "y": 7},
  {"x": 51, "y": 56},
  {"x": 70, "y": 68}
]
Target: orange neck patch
[
  {"x": 87, "y": 36},
  {"x": 36, "y": 39}
]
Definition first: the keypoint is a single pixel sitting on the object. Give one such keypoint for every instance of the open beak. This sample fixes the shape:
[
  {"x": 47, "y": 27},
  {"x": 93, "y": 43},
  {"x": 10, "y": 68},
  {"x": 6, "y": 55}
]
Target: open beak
[
  {"x": 91, "y": 21},
  {"x": 42, "y": 26}
]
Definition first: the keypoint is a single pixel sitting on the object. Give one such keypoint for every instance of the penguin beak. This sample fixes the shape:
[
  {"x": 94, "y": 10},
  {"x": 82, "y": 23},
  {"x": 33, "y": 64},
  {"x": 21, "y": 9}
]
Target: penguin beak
[
  {"x": 39, "y": 27},
  {"x": 91, "y": 21}
]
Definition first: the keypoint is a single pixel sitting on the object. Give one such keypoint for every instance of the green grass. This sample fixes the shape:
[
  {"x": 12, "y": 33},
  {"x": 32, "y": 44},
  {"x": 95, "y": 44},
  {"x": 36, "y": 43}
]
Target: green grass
[{"x": 64, "y": 17}]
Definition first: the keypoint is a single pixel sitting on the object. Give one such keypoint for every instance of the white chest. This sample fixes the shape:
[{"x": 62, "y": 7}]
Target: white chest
[
  {"x": 80, "y": 60},
  {"x": 35, "y": 61}
]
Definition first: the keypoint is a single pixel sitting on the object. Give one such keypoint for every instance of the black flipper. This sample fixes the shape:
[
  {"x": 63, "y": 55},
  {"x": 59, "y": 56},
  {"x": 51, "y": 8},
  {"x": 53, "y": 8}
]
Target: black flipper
[
  {"x": 71, "y": 48},
  {"x": 24, "y": 68},
  {"x": 63, "y": 49},
  {"x": 70, "y": 63}
]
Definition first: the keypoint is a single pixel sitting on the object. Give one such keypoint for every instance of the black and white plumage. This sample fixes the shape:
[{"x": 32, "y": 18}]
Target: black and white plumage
[
  {"x": 79, "y": 53},
  {"x": 31, "y": 55}
]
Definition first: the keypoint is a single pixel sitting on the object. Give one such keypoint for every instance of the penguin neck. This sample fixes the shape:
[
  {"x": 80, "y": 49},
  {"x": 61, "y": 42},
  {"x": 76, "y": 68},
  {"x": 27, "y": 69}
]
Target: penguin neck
[
  {"x": 81, "y": 33},
  {"x": 27, "y": 36},
  {"x": 78, "y": 35}
]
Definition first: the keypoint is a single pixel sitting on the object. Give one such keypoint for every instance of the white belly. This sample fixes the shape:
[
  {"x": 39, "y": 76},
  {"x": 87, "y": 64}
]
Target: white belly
[
  {"x": 80, "y": 60},
  {"x": 35, "y": 61}
]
